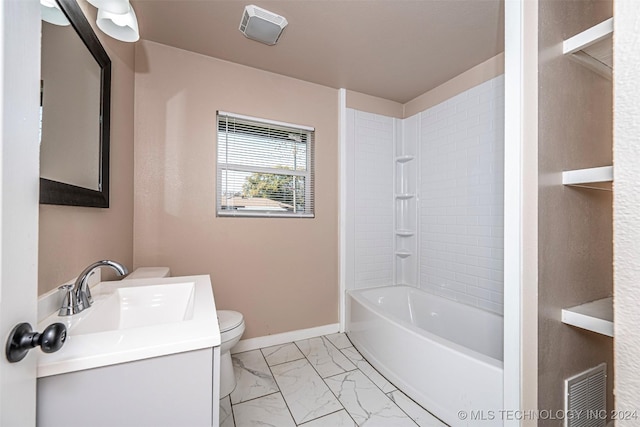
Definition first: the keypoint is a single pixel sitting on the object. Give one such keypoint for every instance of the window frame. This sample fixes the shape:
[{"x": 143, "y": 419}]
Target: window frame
[{"x": 309, "y": 174}]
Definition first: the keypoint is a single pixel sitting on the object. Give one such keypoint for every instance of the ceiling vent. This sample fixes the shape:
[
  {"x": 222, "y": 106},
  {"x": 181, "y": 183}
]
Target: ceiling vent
[{"x": 261, "y": 25}]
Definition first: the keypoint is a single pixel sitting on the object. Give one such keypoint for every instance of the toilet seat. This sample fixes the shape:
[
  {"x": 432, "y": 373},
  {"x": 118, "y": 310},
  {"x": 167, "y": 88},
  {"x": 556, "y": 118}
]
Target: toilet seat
[{"x": 228, "y": 319}]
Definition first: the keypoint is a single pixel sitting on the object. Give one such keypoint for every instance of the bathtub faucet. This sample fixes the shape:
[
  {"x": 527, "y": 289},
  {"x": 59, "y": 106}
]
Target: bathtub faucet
[{"x": 78, "y": 297}]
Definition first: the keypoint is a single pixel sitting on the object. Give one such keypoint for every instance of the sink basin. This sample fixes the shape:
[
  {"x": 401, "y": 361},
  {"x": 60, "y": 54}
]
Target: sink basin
[
  {"x": 135, "y": 319},
  {"x": 134, "y": 307}
]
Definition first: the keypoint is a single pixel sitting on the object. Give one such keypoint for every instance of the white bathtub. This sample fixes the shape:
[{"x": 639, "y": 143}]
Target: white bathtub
[{"x": 445, "y": 355}]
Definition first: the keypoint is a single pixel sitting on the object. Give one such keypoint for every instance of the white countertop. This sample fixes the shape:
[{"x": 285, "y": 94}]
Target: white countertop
[{"x": 91, "y": 350}]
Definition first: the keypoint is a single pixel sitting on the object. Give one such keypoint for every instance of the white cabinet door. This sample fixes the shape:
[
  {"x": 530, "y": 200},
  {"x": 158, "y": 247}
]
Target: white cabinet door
[{"x": 19, "y": 182}]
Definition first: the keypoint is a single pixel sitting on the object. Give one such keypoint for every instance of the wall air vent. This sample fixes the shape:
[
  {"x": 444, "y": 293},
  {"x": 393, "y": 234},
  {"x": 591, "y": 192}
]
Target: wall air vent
[
  {"x": 261, "y": 25},
  {"x": 585, "y": 400}
]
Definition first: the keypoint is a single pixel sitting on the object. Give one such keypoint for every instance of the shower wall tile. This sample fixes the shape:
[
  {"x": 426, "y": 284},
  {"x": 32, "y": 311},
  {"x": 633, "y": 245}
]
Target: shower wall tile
[
  {"x": 370, "y": 190},
  {"x": 461, "y": 197},
  {"x": 461, "y": 200}
]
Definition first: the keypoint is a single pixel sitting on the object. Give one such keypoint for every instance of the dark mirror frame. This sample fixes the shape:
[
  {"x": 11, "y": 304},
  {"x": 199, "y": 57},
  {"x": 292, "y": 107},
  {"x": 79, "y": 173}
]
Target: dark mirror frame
[{"x": 59, "y": 193}]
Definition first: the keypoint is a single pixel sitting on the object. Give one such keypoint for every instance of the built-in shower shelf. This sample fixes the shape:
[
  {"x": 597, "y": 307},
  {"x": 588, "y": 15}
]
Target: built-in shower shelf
[
  {"x": 403, "y": 254},
  {"x": 405, "y": 233},
  {"x": 595, "y": 178},
  {"x": 593, "y": 48},
  {"x": 405, "y": 196},
  {"x": 404, "y": 159},
  {"x": 595, "y": 316}
]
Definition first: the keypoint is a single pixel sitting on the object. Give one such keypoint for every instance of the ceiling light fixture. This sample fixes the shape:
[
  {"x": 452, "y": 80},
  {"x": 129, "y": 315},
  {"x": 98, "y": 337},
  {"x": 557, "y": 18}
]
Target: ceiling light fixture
[
  {"x": 116, "y": 18},
  {"x": 123, "y": 27},
  {"x": 114, "y": 6},
  {"x": 52, "y": 13},
  {"x": 261, "y": 25}
]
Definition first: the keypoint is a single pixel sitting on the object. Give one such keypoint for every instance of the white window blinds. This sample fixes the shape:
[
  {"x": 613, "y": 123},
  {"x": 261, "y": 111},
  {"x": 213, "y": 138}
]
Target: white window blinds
[{"x": 265, "y": 168}]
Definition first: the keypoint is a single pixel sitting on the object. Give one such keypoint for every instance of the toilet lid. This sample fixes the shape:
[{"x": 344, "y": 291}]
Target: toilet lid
[{"x": 229, "y": 319}]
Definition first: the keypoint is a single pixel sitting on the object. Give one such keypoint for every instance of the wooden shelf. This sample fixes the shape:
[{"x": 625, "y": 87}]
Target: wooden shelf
[
  {"x": 595, "y": 316},
  {"x": 595, "y": 178},
  {"x": 593, "y": 48},
  {"x": 403, "y": 253},
  {"x": 405, "y": 233}
]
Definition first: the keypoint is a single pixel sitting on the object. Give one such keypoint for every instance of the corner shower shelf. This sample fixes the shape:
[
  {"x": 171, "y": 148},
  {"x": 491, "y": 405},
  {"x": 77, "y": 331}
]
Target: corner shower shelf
[
  {"x": 405, "y": 196},
  {"x": 403, "y": 254},
  {"x": 595, "y": 316},
  {"x": 593, "y": 48},
  {"x": 404, "y": 159},
  {"x": 595, "y": 178},
  {"x": 405, "y": 233}
]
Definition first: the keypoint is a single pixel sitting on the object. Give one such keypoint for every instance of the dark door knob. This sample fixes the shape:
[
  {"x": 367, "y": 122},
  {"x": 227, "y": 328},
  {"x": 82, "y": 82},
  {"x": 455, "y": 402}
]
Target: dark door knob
[{"x": 22, "y": 339}]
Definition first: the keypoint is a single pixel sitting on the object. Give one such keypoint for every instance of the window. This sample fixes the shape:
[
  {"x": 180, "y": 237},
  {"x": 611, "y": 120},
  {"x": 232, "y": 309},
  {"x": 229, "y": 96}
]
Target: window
[{"x": 265, "y": 168}]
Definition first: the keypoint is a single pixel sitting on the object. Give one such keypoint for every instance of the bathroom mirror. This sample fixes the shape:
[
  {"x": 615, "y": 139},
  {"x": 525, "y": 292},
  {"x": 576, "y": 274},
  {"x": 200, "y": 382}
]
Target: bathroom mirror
[{"x": 75, "y": 104}]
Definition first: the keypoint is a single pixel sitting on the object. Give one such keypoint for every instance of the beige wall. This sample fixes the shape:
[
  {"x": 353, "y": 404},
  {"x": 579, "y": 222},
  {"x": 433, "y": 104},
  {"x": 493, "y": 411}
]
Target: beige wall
[
  {"x": 481, "y": 73},
  {"x": 372, "y": 104},
  {"x": 73, "y": 237},
  {"x": 282, "y": 274},
  {"x": 575, "y": 225}
]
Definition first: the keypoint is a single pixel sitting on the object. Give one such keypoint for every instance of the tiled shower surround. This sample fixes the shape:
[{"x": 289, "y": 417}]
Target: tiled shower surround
[
  {"x": 448, "y": 164},
  {"x": 373, "y": 217},
  {"x": 317, "y": 382},
  {"x": 462, "y": 197}
]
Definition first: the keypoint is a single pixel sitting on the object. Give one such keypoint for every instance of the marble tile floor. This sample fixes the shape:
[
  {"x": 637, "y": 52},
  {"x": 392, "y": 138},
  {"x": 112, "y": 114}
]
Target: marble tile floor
[{"x": 317, "y": 382}]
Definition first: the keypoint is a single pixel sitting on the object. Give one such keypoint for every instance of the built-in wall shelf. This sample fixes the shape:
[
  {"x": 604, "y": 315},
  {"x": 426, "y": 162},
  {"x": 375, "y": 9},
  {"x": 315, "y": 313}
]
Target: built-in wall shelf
[
  {"x": 405, "y": 196},
  {"x": 403, "y": 254},
  {"x": 595, "y": 316},
  {"x": 595, "y": 178},
  {"x": 405, "y": 213},
  {"x": 593, "y": 48},
  {"x": 404, "y": 159}
]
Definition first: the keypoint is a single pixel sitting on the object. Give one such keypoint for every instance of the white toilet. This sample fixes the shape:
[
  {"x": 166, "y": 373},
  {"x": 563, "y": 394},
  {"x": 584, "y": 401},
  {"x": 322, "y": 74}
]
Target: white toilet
[{"x": 231, "y": 329}]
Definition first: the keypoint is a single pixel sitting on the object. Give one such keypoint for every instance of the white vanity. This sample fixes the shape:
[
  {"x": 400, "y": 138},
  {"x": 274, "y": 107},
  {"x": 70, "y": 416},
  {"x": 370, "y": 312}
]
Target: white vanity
[{"x": 146, "y": 353}]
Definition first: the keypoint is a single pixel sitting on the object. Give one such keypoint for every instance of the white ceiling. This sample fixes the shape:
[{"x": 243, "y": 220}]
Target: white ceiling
[{"x": 393, "y": 49}]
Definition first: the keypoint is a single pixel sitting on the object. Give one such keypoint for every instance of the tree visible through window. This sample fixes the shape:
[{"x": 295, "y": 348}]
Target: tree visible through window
[
  {"x": 284, "y": 188},
  {"x": 264, "y": 168}
]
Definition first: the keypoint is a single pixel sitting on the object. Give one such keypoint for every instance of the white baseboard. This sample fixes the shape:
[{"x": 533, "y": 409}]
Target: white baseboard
[{"x": 285, "y": 337}]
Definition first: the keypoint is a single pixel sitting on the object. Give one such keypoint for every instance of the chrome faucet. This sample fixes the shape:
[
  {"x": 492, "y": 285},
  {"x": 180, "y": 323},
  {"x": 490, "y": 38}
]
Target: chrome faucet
[{"x": 78, "y": 297}]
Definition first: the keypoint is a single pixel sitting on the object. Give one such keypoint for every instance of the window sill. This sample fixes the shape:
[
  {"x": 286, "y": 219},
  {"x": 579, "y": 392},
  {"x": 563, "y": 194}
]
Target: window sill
[{"x": 262, "y": 215}]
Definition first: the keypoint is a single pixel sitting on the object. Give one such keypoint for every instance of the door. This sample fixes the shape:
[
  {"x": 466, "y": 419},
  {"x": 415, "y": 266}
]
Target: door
[{"x": 19, "y": 164}]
